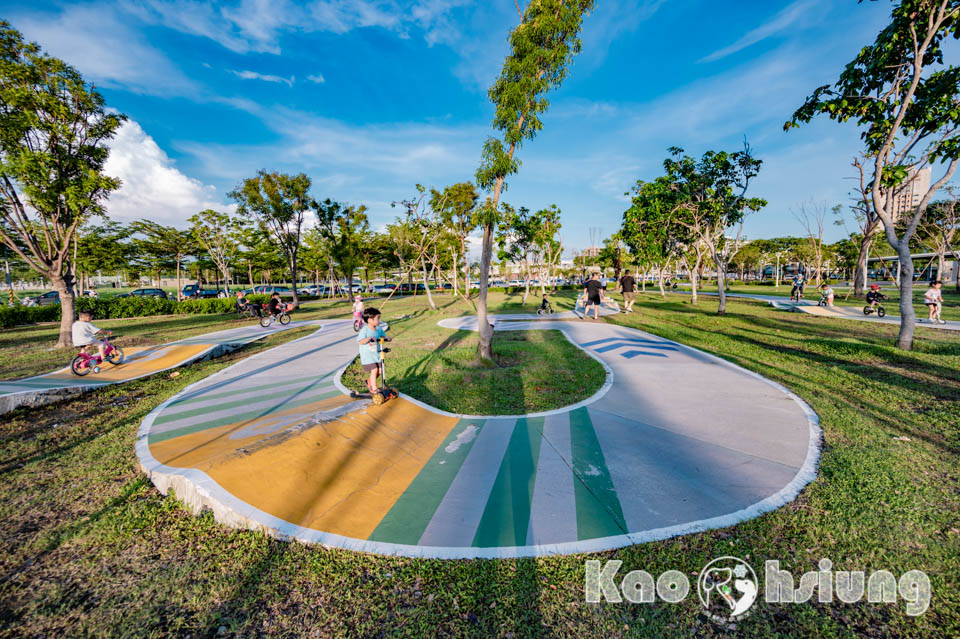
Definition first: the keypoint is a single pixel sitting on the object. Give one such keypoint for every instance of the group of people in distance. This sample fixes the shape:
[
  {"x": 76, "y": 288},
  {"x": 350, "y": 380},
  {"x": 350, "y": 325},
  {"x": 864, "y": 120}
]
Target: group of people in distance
[{"x": 594, "y": 292}]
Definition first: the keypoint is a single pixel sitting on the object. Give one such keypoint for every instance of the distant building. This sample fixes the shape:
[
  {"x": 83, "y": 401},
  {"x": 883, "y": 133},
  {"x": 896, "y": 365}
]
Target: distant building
[
  {"x": 593, "y": 251},
  {"x": 906, "y": 199}
]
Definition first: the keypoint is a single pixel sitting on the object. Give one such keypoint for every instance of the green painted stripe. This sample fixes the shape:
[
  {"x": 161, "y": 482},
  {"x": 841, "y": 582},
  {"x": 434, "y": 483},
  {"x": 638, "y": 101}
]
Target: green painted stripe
[
  {"x": 506, "y": 517},
  {"x": 204, "y": 397},
  {"x": 598, "y": 509},
  {"x": 256, "y": 396},
  {"x": 239, "y": 417},
  {"x": 405, "y": 522},
  {"x": 54, "y": 382}
]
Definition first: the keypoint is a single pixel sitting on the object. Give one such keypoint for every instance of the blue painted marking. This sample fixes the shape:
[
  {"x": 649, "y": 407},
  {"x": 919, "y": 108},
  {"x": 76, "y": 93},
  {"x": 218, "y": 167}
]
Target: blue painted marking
[
  {"x": 612, "y": 347},
  {"x": 632, "y": 340},
  {"x": 632, "y": 354}
]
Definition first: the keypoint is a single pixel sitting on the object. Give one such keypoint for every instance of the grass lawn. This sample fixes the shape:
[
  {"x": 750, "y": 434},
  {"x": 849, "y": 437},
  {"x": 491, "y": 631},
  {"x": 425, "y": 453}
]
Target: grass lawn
[{"x": 93, "y": 550}]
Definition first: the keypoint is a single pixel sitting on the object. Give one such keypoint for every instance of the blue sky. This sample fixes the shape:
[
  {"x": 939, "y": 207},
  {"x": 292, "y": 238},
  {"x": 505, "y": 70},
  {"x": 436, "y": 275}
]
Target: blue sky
[{"x": 370, "y": 97}]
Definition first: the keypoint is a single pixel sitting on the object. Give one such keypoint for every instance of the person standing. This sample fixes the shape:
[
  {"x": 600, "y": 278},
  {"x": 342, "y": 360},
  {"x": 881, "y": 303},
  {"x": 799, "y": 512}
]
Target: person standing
[
  {"x": 933, "y": 298},
  {"x": 628, "y": 288},
  {"x": 593, "y": 295}
]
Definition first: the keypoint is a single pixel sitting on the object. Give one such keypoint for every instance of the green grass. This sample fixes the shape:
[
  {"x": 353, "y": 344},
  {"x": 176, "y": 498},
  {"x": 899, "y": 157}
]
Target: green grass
[
  {"x": 536, "y": 370},
  {"x": 91, "y": 549}
]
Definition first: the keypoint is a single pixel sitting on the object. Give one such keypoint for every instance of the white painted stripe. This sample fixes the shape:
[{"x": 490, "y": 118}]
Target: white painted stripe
[
  {"x": 456, "y": 519},
  {"x": 553, "y": 512}
]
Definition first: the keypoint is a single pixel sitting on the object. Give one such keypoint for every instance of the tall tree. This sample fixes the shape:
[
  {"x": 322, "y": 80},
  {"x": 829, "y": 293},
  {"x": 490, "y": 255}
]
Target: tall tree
[
  {"x": 280, "y": 202},
  {"x": 54, "y": 130},
  {"x": 102, "y": 248},
  {"x": 649, "y": 227},
  {"x": 907, "y": 101},
  {"x": 542, "y": 48},
  {"x": 344, "y": 229},
  {"x": 712, "y": 199},
  {"x": 456, "y": 207},
  {"x": 167, "y": 242},
  {"x": 220, "y": 234},
  {"x": 516, "y": 239}
]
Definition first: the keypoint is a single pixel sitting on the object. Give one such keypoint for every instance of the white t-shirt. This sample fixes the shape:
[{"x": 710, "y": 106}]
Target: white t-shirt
[
  {"x": 932, "y": 296},
  {"x": 83, "y": 333}
]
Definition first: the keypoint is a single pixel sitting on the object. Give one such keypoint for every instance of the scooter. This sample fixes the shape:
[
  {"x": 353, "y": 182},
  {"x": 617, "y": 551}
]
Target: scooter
[{"x": 385, "y": 393}]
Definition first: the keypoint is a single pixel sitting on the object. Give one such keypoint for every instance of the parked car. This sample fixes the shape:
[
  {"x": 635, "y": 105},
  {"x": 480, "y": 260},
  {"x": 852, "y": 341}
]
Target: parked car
[
  {"x": 145, "y": 292},
  {"x": 406, "y": 287},
  {"x": 46, "y": 299},
  {"x": 271, "y": 289},
  {"x": 90, "y": 293},
  {"x": 384, "y": 288},
  {"x": 194, "y": 290}
]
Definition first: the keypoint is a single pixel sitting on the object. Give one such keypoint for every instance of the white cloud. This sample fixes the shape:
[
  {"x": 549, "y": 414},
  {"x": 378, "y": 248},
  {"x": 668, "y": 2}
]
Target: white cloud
[
  {"x": 787, "y": 17},
  {"x": 253, "y": 75},
  {"x": 317, "y": 78},
  {"x": 153, "y": 188},
  {"x": 105, "y": 49}
]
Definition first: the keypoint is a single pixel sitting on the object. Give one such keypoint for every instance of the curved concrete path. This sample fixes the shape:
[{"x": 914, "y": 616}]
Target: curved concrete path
[
  {"x": 138, "y": 362},
  {"x": 676, "y": 441},
  {"x": 811, "y": 307}
]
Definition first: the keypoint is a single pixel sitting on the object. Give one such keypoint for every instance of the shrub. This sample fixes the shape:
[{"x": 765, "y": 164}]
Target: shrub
[{"x": 11, "y": 316}]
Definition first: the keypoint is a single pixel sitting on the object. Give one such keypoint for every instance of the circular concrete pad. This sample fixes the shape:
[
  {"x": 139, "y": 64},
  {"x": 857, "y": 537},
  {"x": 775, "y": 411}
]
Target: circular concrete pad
[{"x": 676, "y": 441}]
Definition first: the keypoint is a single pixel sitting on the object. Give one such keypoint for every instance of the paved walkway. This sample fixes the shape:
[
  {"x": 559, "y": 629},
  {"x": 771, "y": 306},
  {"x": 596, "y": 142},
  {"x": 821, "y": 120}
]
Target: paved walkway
[
  {"x": 810, "y": 307},
  {"x": 676, "y": 441},
  {"x": 138, "y": 362}
]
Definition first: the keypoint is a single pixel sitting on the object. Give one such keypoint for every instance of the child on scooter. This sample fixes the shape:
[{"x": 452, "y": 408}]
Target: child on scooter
[
  {"x": 368, "y": 340},
  {"x": 84, "y": 333}
]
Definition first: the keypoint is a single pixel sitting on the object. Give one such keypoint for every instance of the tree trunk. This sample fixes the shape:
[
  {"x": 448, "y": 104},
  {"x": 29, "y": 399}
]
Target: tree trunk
[
  {"x": 526, "y": 279},
  {"x": 293, "y": 278},
  {"x": 663, "y": 293},
  {"x": 426, "y": 282},
  {"x": 250, "y": 273},
  {"x": 907, "y": 316},
  {"x": 179, "y": 288},
  {"x": 64, "y": 286},
  {"x": 722, "y": 288},
  {"x": 484, "y": 329},
  {"x": 694, "y": 276}
]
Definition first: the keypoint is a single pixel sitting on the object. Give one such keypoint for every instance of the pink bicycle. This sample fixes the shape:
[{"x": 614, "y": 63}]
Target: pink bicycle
[{"x": 84, "y": 362}]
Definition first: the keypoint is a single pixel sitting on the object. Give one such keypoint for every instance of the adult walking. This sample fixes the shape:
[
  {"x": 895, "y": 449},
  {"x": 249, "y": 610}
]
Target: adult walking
[
  {"x": 628, "y": 288},
  {"x": 593, "y": 295}
]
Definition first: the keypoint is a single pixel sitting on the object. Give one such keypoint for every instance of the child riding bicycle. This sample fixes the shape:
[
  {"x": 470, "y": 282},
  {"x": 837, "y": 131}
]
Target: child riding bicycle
[
  {"x": 85, "y": 334},
  {"x": 874, "y": 296},
  {"x": 357, "y": 308}
]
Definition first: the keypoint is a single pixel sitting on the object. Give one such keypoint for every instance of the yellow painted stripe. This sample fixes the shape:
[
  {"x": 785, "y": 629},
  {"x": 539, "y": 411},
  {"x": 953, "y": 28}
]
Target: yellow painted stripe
[
  {"x": 341, "y": 477},
  {"x": 172, "y": 356}
]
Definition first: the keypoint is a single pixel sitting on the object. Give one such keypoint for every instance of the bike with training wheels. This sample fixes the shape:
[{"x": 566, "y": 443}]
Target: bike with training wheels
[
  {"x": 282, "y": 315},
  {"x": 85, "y": 363}
]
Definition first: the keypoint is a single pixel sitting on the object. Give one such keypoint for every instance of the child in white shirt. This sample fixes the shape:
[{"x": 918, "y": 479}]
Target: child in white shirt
[
  {"x": 357, "y": 307},
  {"x": 933, "y": 298},
  {"x": 84, "y": 333}
]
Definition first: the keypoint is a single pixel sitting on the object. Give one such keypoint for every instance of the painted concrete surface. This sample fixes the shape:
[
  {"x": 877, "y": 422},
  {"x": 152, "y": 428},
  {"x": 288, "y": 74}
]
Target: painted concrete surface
[
  {"x": 676, "y": 441},
  {"x": 856, "y": 313},
  {"x": 841, "y": 312},
  {"x": 138, "y": 362}
]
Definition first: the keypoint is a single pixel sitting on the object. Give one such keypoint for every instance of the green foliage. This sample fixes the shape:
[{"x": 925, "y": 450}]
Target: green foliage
[{"x": 18, "y": 315}]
